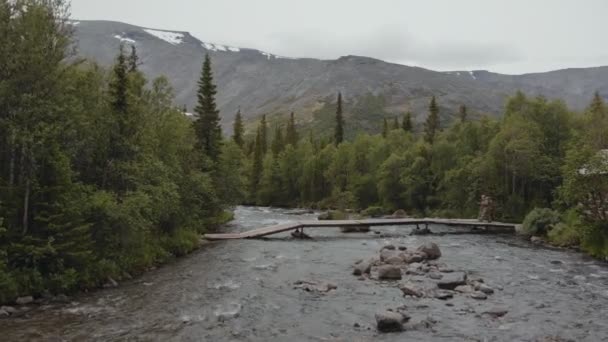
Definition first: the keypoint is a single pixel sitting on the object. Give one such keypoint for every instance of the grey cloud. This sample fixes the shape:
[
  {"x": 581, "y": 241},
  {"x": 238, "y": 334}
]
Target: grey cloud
[{"x": 394, "y": 45}]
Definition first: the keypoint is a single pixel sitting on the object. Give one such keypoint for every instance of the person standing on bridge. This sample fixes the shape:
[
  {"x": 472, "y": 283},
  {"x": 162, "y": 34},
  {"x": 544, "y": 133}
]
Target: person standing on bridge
[{"x": 486, "y": 208}]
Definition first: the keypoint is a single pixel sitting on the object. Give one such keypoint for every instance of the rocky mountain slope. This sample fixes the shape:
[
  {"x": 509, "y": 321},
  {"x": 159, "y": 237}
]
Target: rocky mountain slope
[{"x": 263, "y": 83}]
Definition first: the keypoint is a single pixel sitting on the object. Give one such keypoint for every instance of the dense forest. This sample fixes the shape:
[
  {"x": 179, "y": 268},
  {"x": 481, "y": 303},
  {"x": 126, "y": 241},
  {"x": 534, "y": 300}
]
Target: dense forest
[{"x": 102, "y": 176}]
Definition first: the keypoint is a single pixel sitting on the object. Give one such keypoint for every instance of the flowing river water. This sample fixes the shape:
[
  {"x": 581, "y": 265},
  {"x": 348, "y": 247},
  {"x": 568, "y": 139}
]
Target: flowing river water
[{"x": 244, "y": 291}]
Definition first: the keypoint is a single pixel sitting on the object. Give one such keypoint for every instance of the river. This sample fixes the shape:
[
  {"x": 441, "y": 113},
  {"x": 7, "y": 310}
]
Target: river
[{"x": 244, "y": 291}]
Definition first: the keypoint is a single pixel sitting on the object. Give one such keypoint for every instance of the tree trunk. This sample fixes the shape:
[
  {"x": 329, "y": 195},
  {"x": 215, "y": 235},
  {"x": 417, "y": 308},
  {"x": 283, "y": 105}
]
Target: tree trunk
[
  {"x": 11, "y": 168},
  {"x": 26, "y": 206}
]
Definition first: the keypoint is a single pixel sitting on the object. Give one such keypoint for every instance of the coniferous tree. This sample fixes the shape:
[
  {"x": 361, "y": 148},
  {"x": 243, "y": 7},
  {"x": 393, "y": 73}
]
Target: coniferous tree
[
  {"x": 257, "y": 167},
  {"x": 238, "y": 129},
  {"x": 339, "y": 131},
  {"x": 431, "y": 126},
  {"x": 385, "y": 128},
  {"x": 133, "y": 60},
  {"x": 263, "y": 135},
  {"x": 208, "y": 130},
  {"x": 277, "y": 143},
  {"x": 462, "y": 113},
  {"x": 292, "y": 134},
  {"x": 406, "y": 125},
  {"x": 395, "y": 123},
  {"x": 119, "y": 84}
]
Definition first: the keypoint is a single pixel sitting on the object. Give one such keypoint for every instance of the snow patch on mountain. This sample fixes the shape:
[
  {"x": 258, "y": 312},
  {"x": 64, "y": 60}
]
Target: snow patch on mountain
[
  {"x": 472, "y": 75},
  {"x": 218, "y": 47},
  {"x": 124, "y": 39},
  {"x": 173, "y": 38}
]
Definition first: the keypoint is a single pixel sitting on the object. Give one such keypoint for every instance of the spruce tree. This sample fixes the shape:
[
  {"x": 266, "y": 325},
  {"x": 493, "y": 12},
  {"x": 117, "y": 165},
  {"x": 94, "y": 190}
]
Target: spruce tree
[
  {"x": 257, "y": 167},
  {"x": 277, "y": 143},
  {"x": 208, "y": 130},
  {"x": 263, "y": 135},
  {"x": 462, "y": 113},
  {"x": 291, "y": 136},
  {"x": 339, "y": 132},
  {"x": 119, "y": 84},
  {"x": 395, "y": 123},
  {"x": 597, "y": 105},
  {"x": 133, "y": 60},
  {"x": 238, "y": 129},
  {"x": 385, "y": 129},
  {"x": 431, "y": 126},
  {"x": 407, "y": 125}
]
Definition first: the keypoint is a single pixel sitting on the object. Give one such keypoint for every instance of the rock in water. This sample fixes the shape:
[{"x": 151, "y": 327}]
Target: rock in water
[
  {"x": 496, "y": 312},
  {"x": 409, "y": 289},
  {"x": 444, "y": 295},
  {"x": 394, "y": 260},
  {"x": 479, "y": 295},
  {"x": 389, "y": 321},
  {"x": 464, "y": 289},
  {"x": 389, "y": 272},
  {"x": 451, "y": 280},
  {"x": 24, "y": 300},
  {"x": 362, "y": 268},
  {"x": 484, "y": 288},
  {"x": 431, "y": 250},
  {"x": 536, "y": 240}
]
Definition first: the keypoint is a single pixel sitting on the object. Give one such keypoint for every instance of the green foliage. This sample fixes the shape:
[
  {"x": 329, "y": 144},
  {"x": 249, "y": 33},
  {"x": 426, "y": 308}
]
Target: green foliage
[
  {"x": 99, "y": 173},
  {"x": 238, "y": 130},
  {"x": 539, "y": 221},
  {"x": 334, "y": 215},
  {"x": 569, "y": 231},
  {"x": 339, "y": 130},
  {"x": 432, "y": 124},
  {"x": 374, "y": 211}
]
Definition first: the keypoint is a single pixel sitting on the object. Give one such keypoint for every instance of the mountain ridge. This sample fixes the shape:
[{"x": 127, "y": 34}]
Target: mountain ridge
[{"x": 259, "y": 82}]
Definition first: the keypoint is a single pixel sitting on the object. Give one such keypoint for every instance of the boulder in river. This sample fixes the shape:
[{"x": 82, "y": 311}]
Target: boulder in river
[
  {"x": 314, "y": 286},
  {"x": 389, "y": 321},
  {"x": 431, "y": 250},
  {"x": 24, "y": 300},
  {"x": 464, "y": 289},
  {"x": 394, "y": 260},
  {"x": 387, "y": 254},
  {"x": 444, "y": 295},
  {"x": 410, "y": 289},
  {"x": 389, "y": 272},
  {"x": 364, "y": 267},
  {"x": 479, "y": 295},
  {"x": 496, "y": 312},
  {"x": 484, "y": 288},
  {"x": 451, "y": 280}
]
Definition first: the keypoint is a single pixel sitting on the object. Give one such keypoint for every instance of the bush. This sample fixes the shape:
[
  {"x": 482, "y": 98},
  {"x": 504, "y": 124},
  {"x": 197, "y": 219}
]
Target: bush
[
  {"x": 373, "y": 212},
  {"x": 539, "y": 222},
  {"x": 568, "y": 232},
  {"x": 334, "y": 215},
  {"x": 595, "y": 240}
]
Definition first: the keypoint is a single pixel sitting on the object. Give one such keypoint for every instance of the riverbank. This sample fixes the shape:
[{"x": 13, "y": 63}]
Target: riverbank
[{"x": 182, "y": 246}]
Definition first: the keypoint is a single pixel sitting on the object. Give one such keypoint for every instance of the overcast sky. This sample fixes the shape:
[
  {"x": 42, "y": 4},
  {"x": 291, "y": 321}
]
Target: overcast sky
[{"x": 515, "y": 36}]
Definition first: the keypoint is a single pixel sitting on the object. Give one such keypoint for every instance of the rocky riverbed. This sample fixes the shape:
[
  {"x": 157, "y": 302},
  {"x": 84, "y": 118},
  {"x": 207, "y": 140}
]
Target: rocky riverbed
[{"x": 340, "y": 287}]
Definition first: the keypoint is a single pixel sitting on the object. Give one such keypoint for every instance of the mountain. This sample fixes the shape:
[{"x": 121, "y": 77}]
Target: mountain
[{"x": 262, "y": 83}]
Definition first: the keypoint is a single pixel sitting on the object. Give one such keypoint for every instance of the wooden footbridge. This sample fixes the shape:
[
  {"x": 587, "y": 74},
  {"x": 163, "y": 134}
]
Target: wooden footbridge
[{"x": 262, "y": 232}]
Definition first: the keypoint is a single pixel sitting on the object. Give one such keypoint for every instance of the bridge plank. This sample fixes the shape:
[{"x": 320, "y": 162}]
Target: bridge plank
[{"x": 280, "y": 228}]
